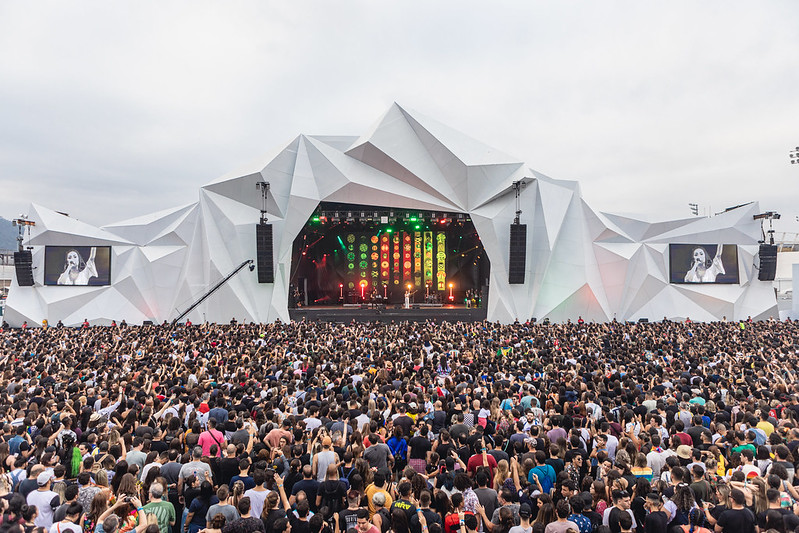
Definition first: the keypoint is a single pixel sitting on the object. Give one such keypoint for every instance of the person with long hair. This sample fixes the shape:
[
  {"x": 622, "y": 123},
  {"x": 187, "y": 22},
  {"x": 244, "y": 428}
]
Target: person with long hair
[
  {"x": 703, "y": 269},
  {"x": 599, "y": 496},
  {"x": 76, "y": 270},
  {"x": 399, "y": 521},
  {"x": 641, "y": 488},
  {"x": 99, "y": 505},
  {"x": 195, "y": 520},
  {"x": 684, "y": 502}
]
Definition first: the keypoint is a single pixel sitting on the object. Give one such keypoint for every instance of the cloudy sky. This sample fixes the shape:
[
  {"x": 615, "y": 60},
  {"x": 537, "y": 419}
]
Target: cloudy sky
[{"x": 110, "y": 110}]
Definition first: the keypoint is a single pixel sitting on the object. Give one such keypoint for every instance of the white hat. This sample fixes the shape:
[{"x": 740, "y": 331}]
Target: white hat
[{"x": 43, "y": 478}]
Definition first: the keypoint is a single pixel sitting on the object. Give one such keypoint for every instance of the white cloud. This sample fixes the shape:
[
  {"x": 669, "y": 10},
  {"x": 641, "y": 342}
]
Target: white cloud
[{"x": 110, "y": 110}]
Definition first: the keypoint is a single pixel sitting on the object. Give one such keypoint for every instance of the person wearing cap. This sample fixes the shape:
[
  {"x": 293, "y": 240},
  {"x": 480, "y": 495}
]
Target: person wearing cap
[
  {"x": 45, "y": 500},
  {"x": 525, "y": 512},
  {"x": 324, "y": 458}
]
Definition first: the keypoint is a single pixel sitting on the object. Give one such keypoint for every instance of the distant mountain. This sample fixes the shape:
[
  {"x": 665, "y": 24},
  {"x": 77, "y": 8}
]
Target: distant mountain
[{"x": 8, "y": 235}]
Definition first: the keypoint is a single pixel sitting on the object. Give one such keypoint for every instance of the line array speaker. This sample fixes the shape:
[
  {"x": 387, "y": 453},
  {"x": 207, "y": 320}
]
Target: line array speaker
[
  {"x": 23, "y": 264},
  {"x": 517, "y": 261},
  {"x": 768, "y": 262},
  {"x": 263, "y": 253}
]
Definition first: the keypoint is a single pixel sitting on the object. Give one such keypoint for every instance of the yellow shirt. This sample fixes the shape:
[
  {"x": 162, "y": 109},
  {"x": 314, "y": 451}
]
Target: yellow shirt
[
  {"x": 767, "y": 427},
  {"x": 370, "y": 491}
]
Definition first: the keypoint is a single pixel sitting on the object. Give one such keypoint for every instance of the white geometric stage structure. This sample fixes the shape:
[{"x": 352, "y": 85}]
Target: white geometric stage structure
[{"x": 579, "y": 262}]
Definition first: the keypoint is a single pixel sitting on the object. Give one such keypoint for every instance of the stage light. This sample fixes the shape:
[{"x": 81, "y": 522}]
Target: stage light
[
  {"x": 315, "y": 219},
  {"x": 417, "y": 226},
  {"x": 389, "y": 230},
  {"x": 413, "y": 219}
]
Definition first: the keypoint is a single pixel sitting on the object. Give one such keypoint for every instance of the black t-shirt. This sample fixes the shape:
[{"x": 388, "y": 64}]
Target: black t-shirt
[
  {"x": 790, "y": 520},
  {"x": 556, "y": 463},
  {"x": 444, "y": 450},
  {"x": 333, "y": 492},
  {"x": 311, "y": 488},
  {"x": 405, "y": 422},
  {"x": 419, "y": 447},
  {"x": 439, "y": 421},
  {"x": 613, "y": 519},
  {"x": 299, "y": 526},
  {"x": 228, "y": 467},
  {"x": 737, "y": 521},
  {"x": 272, "y": 517},
  {"x": 348, "y": 518},
  {"x": 657, "y": 522}
]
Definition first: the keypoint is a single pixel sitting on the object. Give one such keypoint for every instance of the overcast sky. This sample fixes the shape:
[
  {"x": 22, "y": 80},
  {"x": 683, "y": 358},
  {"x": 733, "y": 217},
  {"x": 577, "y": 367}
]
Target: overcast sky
[{"x": 110, "y": 110}]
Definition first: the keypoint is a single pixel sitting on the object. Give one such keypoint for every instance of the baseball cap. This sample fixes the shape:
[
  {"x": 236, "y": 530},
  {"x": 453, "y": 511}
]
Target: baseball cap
[
  {"x": 525, "y": 511},
  {"x": 43, "y": 478}
]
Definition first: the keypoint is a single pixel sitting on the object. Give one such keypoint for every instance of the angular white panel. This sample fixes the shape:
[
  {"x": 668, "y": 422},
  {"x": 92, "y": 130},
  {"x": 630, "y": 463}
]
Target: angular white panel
[{"x": 579, "y": 262}]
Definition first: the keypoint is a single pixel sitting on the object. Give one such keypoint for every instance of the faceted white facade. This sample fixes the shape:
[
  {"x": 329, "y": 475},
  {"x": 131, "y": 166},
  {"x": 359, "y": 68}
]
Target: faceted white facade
[{"x": 579, "y": 262}]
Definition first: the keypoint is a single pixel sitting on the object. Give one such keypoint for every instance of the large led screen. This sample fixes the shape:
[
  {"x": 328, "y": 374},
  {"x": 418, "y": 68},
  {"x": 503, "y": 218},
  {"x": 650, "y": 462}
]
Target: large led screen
[
  {"x": 703, "y": 263},
  {"x": 77, "y": 265}
]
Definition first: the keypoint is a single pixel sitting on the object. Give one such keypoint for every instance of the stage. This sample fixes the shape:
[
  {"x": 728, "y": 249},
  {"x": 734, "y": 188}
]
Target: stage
[{"x": 389, "y": 313}]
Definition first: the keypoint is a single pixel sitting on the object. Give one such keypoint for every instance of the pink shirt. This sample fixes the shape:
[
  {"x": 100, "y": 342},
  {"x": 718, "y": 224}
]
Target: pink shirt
[{"x": 206, "y": 441}]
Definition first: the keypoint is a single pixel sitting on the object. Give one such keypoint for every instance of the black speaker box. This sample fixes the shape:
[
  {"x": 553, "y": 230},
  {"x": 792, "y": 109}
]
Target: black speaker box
[
  {"x": 23, "y": 264},
  {"x": 517, "y": 260},
  {"x": 263, "y": 253},
  {"x": 768, "y": 262}
]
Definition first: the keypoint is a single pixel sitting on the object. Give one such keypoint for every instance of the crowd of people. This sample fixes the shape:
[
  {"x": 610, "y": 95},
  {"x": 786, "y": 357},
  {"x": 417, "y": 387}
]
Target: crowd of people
[{"x": 666, "y": 427}]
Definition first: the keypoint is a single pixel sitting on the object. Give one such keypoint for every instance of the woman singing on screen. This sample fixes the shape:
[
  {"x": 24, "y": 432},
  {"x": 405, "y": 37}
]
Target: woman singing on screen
[
  {"x": 703, "y": 270},
  {"x": 77, "y": 272}
]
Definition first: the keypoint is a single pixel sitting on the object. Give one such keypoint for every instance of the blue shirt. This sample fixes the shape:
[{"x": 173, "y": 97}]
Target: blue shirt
[{"x": 546, "y": 476}]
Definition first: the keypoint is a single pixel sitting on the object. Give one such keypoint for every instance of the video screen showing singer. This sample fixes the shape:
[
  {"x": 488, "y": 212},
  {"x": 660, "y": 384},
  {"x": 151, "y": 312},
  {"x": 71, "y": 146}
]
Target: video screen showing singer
[
  {"x": 702, "y": 269},
  {"x": 76, "y": 271}
]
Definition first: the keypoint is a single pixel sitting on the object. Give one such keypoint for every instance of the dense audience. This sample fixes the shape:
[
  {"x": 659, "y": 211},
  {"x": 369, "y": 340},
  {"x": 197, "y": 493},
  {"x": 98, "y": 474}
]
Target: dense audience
[{"x": 407, "y": 428}]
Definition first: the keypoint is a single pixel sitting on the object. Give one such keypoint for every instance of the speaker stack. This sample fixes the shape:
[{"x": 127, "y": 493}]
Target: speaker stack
[
  {"x": 23, "y": 264},
  {"x": 768, "y": 262},
  {"x": 517, "y": 260},
  {"x": 263, "y": 253}
]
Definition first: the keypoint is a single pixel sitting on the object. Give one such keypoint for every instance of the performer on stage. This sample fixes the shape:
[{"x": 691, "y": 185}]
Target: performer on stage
[{"x": 408, "y": 299}]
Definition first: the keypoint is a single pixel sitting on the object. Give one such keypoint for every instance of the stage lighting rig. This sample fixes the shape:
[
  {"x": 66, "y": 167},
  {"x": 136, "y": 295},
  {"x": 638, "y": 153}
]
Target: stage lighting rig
[
  {"x": 22, "y": 223},
  {"x": 794, "y": 155},
  {"x": 263, "y": 186},
  {"x": 770, "y": 216}
]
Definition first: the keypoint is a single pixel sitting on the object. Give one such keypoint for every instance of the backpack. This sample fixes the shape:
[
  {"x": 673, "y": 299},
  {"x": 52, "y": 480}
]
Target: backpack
[
  {"x": 15, "y": 479},
  {"x": 399, "y": 448},
  {"x": 329, "y": 499},
  {"x": 385, "y": 520}
]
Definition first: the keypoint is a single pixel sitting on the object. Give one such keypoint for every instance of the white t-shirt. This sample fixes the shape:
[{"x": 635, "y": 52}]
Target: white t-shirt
[
  {"x": 45, "y": 501},
  {"x": 65, "y": 527}
]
